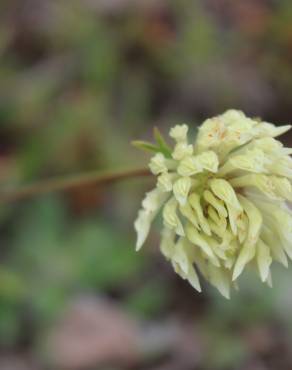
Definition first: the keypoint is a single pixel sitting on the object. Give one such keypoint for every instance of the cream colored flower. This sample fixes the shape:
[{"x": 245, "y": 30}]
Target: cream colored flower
[{"x": 224, "y": 201}]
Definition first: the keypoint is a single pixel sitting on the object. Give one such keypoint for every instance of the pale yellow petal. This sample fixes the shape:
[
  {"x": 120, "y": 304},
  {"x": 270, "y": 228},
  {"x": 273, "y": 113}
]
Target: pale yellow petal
[
  {"x": 246, "y": 254},
  {"x": 255, "y": 220},
  {"x": 151, "y": 205},
  {"x": 188, "y": 212},
  {"x": 181, "y": 189},
  {"x": 142, "y": 227},
  {"x": 167, "y": 244},
  {"x": 264, "y": 260},
  {"x": 194, "y": 200},
  {"x": 198, "y": 239},
  {"x": 224, "y": 191},
  {"x": 157, "y": 164},
  {"x": 268, "y": 129},
  {"x": 276, "y": 248},
  {"x": 182, "y": 150},
  {"x": 220, "y": 279},
  {"x": 165, "y": 182},
  {"x": 215, "y": 202},
  {"x": 179, "y": 132},
  {"x": 170, "y": 217}
]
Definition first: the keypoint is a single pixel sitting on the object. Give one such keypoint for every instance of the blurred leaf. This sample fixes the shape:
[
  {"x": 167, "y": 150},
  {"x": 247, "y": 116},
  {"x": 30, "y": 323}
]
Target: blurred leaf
[
  {"x": 12, "y": 287},
  {"x": 10, "y": 323},
  {"x": 54, "y": 258},
  {"x": 149, "y": 300},
  {"x": 165, "y": 148},
  {"x": 105, "y": 259},
  {"x": 225, "y": 350},
  {"x": 145, "y": 145}
]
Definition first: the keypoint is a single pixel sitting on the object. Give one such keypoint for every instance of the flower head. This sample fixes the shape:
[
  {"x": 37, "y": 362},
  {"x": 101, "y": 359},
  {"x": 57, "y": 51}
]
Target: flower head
[{"x": 224, "y": 200}]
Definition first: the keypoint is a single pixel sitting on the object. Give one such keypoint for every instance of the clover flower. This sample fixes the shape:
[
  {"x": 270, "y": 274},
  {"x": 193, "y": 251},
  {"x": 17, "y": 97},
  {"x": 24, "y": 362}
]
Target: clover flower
[{"x": 223, "y": 200}]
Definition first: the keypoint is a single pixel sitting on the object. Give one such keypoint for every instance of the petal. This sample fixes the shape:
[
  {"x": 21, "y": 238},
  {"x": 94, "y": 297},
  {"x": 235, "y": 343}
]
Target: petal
[
  {"x": 164, "y": 182},
  {"x": 278, "y": 218},
  {"x": 193, "y": 278},
  {"x": 269, "y": 280},
  {"x": 269, "y": 145},
  {"x": 192, "y": 165},
  {"x": 189, "y": 166},
  {"x": 179, "y": 132},
  {"x": 215, "y": 202},
  {"x": 183, "y": 262},
  {"x": 142, "y": 227},
  {"x": 210, "y": 134},
  {"x": 282, "y": 187},
  {"x": 242, "y": 227},
  {"x": 232, "y": 116},
  {"x": 268, "y": 129},
  {"x": 216, "y": 247},
  {"x": 264, "y": 260},
  {"x": 253, "y": 160},
  {"x": 208, "y": 161},
  {"x": 213, "y": 215},
  {"x": 259, "y": 181},
  {"x": 198, "y": 239},
  {"x": 182, "y": 150},
  {"x": 224, "y": 191},
  {"x": 281, "y": 166},
  {"x": 170, "y": 217},
  {"x": 180, "y": 256},
  {"x": 233, "y": 215},
  {"x": 255, "y": 220},
  {"x": 151, "y": 204},
  {"x": 167, "y": 244},
  {"x": 153, "y": 200},
  {"x": 181, "y": 189},
  {"x": 157, "y": 164},
  {"x": 216, "y": 229},
  {"x": 246, "y": 254},
  {"x": 194, "y": 200},
  {"x": 220, "y": 279},
  {"x": 187, "y": 211},
  {"x": 275, "y": 245}
]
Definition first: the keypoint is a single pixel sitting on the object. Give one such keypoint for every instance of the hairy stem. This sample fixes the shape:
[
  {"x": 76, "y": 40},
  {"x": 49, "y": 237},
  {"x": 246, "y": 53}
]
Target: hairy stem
[{"x": 72, "y": 182}]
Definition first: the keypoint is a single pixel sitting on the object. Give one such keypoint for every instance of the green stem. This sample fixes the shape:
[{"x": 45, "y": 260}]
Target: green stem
[{"x": 72, "y": 182}]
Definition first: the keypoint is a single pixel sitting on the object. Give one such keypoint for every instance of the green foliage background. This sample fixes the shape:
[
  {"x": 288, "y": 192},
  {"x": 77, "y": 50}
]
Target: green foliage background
[{"x": 79, "y": 80}]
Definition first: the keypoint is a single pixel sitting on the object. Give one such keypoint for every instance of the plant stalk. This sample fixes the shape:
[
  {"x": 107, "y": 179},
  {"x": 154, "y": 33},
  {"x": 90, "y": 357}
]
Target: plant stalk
[{"x": 69, "y": 183}]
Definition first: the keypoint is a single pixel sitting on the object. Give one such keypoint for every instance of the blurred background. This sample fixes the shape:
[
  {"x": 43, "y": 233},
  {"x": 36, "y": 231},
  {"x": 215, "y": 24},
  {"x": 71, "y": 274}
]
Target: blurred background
[{"x": 80, "y": 79}]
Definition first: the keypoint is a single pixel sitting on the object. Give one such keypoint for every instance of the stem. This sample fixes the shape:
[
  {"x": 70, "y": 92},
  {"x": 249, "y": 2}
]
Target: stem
[{"x": 72, "y": 182}]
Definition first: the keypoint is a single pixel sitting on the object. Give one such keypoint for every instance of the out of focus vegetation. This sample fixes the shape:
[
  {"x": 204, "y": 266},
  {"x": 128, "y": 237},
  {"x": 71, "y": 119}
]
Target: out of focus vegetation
[{"x": 79, "y": 80}]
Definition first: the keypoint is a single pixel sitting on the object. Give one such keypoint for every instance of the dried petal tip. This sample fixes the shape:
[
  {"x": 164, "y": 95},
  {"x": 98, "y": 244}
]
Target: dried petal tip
[{"x": 224, "y": 201}]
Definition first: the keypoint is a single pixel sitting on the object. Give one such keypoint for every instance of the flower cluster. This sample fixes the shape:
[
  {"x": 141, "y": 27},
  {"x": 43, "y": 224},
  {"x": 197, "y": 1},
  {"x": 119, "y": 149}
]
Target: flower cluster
[{"x": 223, "y": 200}]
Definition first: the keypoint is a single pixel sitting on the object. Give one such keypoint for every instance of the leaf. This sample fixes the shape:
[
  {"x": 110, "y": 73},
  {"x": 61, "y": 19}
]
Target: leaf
[
  {"x": 164, "y": 147},
  {"x": 145, "y": 145},
  {"x": 161, "y": 146}
]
